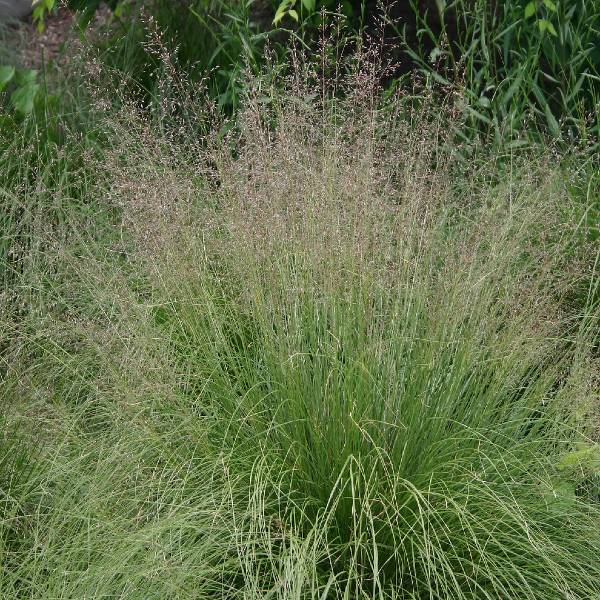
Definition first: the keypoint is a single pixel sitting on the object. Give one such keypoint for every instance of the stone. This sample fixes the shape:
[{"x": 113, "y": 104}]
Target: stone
[{"x": 15, "y": 9}]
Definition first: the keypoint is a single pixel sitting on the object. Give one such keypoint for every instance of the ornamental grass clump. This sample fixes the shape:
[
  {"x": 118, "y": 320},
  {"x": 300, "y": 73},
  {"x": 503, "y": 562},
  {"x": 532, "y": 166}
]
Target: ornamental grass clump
[{"x": 322, "y": 359}]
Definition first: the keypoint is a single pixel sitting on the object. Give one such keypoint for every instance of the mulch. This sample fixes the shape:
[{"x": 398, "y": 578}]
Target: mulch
[{"x": 35, "y": 49}]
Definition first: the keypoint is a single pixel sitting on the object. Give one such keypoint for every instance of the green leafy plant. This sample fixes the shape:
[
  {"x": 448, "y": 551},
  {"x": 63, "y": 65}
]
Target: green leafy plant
[
  {"x": 42, "y": 8},
  {"x": 287, "y": 8},
  {"x": 25, "y": 87},
  {"x": 307, "y": 10},
  {"x": 544, "y": 24}
]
